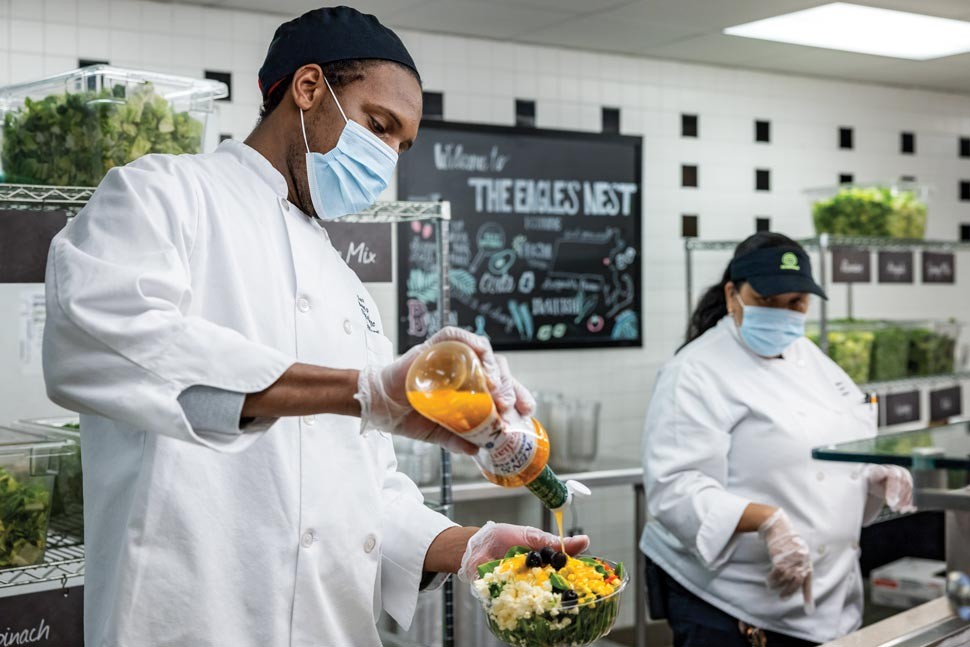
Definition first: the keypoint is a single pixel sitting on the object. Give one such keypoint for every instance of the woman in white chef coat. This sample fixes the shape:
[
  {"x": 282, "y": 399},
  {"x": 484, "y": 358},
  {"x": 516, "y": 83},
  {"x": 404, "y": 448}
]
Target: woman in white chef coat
[{"x": 749, "y": 539}]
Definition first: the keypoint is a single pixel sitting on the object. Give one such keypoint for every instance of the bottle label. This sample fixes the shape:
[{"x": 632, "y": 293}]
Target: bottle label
[
  {"x": 486, "y": 434},
  {"x": 549, "y": 489}
]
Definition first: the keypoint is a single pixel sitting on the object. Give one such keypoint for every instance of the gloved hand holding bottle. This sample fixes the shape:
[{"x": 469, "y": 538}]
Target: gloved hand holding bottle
[
  {"x": 791, "y": 560},
  {"x": 381, "y": 391}
]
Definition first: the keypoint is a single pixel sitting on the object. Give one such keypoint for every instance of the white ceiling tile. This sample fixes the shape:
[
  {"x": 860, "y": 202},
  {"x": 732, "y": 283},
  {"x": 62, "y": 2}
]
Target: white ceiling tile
[
  {"x": 604, "y": 33},
  {"x": 705, "y": 15},
  {"x": 473, "y": 18}
]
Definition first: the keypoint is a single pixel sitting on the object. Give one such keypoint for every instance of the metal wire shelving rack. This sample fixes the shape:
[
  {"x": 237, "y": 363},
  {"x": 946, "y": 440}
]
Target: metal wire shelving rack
[{"x": 65, "y": 553}]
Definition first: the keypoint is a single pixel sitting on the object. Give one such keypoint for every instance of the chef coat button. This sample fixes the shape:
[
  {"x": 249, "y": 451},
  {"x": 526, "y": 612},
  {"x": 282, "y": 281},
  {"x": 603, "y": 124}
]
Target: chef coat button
[
  {"x": 303, "y": 304},
  {"x": 307, "y": 539},
  {"x": 369, "y": 543},
  {"x": 309, "y": 420},
  {"x": 348, "y": 327},
  {"x": 822, "y": 549},
  {"x": 820, "y": 476},
  {"x": 285, "y": 203}
]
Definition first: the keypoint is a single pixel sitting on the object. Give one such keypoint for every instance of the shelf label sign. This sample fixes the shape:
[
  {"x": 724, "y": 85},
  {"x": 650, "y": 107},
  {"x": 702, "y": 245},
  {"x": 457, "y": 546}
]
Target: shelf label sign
[
  {"x": 851, "y": 266},
  {"x": 53, "y": 618},
  {"x": 365, "y": 247},
  {"x": 902, "y": 407},
  {"x": 946, "y": 403},
  {"x": 895, "y": 267},
  {"x": 939, "y": 267}
]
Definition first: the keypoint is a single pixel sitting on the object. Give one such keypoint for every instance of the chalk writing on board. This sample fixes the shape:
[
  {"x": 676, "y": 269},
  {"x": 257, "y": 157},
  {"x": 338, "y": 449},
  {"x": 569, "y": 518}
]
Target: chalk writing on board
[{"x": 544, "y": 238}]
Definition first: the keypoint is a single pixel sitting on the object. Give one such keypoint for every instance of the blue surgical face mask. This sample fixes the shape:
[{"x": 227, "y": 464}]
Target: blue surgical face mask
[
  {"x": 770, "y": 331},
  {"x": 349, "y": 178}
]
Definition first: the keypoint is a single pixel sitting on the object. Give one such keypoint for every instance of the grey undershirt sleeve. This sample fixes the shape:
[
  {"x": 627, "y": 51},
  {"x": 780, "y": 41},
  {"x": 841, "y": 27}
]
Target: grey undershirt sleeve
[{"x": 212, "y": 410}]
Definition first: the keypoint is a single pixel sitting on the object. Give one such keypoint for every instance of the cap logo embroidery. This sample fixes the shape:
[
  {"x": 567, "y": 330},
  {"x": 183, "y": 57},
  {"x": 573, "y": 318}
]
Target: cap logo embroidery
[{"x": 789, "y": 261}]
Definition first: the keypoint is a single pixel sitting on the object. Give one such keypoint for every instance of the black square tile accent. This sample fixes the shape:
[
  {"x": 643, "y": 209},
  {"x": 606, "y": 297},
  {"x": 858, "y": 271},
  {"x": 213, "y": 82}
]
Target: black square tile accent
[
  {"x": 965, "y": 232},
  {"x": 846, "y": 178},
  {"x": 845, "y": 138},
  {"x": 762, "y": 179},
  {"x": 525, "y": 113},
  {"x": 907, "y": 178},
  {"x": 964, "y": 190},
  {"x": 688, "y": 175},
  {"x": 762, "y": 223},
  {"x": 762, "y": 130},
  {"x": 610, "y": 120},
  {"x": 965, "y": 147},
  {"x": 689, "y": 126},
  {"x": 688, "y": 225},
  {"x": 224, "y": 136},
  {"x": 225, "y": 77},
  {"x": 92, "y": 82},
  {"x": 434, "y": 105},
  {"x": 907, "y": 143}
]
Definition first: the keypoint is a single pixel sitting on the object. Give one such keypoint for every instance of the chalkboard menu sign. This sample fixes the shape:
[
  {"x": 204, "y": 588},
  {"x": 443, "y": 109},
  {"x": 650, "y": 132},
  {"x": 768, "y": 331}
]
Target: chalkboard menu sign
[{"x": 544, "y": 238}]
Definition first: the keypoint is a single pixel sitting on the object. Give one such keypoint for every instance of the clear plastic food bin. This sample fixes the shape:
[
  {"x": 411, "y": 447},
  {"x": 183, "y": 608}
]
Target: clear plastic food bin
[
  {"x": 29, "y": 463},
  {"x": 877, "y": 209},
  {"x": 67, "y": 504},
  {"x": 69, "y": 129}
]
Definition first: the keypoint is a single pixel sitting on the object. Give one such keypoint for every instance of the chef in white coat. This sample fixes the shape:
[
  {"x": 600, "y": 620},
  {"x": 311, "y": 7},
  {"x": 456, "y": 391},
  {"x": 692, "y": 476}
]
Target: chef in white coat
[
  {"x": 750, "y": 539},
  {"x": 235, "y": 386}
]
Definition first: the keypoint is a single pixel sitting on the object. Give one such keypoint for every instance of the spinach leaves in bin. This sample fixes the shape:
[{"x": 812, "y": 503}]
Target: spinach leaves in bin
[
  {"x": 73, "y": 139},
  {"x": 24, "y": 506},
  {"x": 890, "y": 354}
]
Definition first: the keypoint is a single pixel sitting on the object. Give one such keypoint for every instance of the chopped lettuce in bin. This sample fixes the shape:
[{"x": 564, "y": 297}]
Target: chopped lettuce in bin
[
  {"x": 73, "y": 139},
  {"x": 24, "y": 507}
]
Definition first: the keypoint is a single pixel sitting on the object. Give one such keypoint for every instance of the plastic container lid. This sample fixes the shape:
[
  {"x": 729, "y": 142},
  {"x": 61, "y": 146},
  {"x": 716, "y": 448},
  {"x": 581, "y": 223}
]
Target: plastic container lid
[
  {"x": 54, "y": 426},
  {"x": 172, "y": 88},
  {"x": 21, "y": 441}
]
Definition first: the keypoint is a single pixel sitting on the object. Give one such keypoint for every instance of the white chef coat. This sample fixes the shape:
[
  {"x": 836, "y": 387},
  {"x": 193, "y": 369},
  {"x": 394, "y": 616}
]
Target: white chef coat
[
  {"x": 196, "y": 270},
  {"x": 727, "y": 428}
]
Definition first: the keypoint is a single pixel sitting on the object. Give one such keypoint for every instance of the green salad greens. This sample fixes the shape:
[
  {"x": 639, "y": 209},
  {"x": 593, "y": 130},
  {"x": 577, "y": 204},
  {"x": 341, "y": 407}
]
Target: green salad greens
[
  {"x": 871, "y": 211},
  {"x": 72, "y": 139},
  {"x": 851, "y": 350},
  {"x": 24, "y": 507},
  {"x": 590, "y": 623},
  {"x": 890, "y": 354},
  {"x": 931, "y": 353}
]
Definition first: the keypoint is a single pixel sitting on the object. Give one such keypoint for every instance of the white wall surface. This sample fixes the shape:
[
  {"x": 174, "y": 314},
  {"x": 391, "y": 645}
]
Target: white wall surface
[{"x": 481, "y": 79}]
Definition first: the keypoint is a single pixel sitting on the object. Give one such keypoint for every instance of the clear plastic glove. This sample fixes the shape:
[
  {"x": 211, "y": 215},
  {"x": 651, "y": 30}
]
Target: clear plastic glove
[
  {"x": 493, "y": 540},
  {"x": 893, "y": 484},
  {"x": 382, "y": 393},
  {"x": 791, "y": 560}
]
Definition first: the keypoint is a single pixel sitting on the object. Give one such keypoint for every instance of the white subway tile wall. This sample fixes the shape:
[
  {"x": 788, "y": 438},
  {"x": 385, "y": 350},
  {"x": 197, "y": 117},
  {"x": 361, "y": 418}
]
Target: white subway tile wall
[{"x": 481, "y": 79}]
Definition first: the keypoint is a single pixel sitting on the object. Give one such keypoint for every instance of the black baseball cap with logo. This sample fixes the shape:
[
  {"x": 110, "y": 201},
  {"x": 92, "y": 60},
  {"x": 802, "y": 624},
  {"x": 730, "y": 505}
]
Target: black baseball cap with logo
[{"x": 776, "y": 270}]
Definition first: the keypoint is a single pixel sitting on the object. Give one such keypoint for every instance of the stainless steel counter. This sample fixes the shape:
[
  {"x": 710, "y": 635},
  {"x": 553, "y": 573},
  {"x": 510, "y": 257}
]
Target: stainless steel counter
[{"x": 928, "y": 625}]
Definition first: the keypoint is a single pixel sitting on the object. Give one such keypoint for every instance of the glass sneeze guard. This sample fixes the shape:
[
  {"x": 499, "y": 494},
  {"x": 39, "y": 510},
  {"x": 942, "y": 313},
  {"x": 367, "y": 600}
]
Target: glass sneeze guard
[{"x": 942, "y": 448}]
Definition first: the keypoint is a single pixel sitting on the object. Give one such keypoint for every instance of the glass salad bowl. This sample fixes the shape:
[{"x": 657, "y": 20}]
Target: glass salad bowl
[{"x": 544, "y": 599}]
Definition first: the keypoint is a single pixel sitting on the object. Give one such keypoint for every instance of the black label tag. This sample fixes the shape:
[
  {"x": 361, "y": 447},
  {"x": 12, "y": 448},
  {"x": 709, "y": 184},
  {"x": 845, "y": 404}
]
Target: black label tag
[
  {"x": 851, "y": 266},
  {"x": 902, "y": 407},
  {"x": 52, "y": 618},
  {"x": 895, "y": 267},
  {"x": 939, "y": 267},
  {"x": 365, "y": 247},
  {"x": 946, "y": 403}
]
